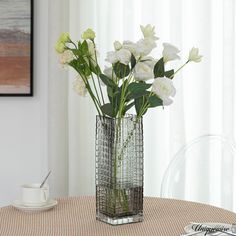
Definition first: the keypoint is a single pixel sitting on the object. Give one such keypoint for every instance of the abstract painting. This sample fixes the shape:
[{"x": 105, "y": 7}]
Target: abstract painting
[{"x": 16, "y": 54}]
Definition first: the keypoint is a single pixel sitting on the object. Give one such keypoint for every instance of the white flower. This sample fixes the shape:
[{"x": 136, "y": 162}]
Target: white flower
[
  {"x": 170, "y": 52},
  {"x": 194, "y": 55},
  {"x": 164, "y": 89},
  {"x": 111, "y": 57},
  {"x": 66, "y": 57},
  {"x": 88, "y": 34},
  {"x": 148, "y": 31},
  {"x": 79, "y": 86},
  {"x": 64, "y": 38},
  {"x": 60, "y": 47},
  {"x": 122, "y": 55},
  {"x": 145, "y": 46},
  {"x": 117, "y": 45},
  {"x": 143, "y": 72},
  {"x": 140, "y": 49},
  {"x": 150, "y": 61},
  {"x": 132, "y": 47}
]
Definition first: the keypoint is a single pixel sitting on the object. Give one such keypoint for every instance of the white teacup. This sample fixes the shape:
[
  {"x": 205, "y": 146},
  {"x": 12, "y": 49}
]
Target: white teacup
[{"x": 33, "y": 195}]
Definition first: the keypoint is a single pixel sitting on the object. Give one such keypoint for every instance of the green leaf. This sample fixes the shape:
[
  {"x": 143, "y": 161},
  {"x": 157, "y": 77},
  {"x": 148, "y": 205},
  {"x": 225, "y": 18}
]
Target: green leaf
[
  {"x": 95, "y": 69},
  {"x": 136, "y": 90},
  {"x": 133, "y": 61},
  {"x": 121, "y": 70},
  {"x": 139, "y": 103},
  {"x": 107, "y": 81},
  {"x": 84, "y": 48},
  {"x": 138, "y": 86},
  {"x": 159, "y": 69},
  {"x": 128, "y": 107},
  {"x": 110, "y": 92},
  {"x": 73, "y": 64},
  {"x": 155, "y": 101},
  {"x": 117, "y": 100},
  {"x": 136, "y": 95},
  {"x": 169, "y": 74},
  {"x": 114, "y": 98},
  {"x": 87, "y": 71},
  {"x": 108, "y": 110},
  {"x": 80, "y": 66},
  {"x": 75, "y": 52},
  {"x": 83, "y": 66}
]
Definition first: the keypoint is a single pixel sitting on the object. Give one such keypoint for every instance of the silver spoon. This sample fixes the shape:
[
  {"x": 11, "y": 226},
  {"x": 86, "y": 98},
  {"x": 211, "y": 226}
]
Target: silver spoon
[{"x": 41, "y": 185}]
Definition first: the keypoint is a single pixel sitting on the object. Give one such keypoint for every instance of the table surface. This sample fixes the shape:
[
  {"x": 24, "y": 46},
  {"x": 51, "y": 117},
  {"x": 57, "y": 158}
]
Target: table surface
[{"x": 75, "y": 216}]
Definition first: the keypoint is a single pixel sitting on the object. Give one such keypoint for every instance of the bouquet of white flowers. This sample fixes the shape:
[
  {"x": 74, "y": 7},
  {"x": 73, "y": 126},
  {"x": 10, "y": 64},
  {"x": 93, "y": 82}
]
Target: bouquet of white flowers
[{"x": 133, "y": 78}]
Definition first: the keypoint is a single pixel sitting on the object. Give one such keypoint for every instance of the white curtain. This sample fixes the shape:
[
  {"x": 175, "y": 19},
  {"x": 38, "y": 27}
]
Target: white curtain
[{"x": 204, "y": 103}]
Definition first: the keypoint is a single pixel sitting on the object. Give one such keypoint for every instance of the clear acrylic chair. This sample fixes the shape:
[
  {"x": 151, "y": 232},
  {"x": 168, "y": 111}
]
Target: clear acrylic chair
[{"x": 203, "y": 171}]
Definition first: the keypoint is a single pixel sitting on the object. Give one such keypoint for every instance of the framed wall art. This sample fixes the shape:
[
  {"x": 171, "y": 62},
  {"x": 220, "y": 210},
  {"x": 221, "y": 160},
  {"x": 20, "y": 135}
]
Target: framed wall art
[{"x": 16, "y": 47}]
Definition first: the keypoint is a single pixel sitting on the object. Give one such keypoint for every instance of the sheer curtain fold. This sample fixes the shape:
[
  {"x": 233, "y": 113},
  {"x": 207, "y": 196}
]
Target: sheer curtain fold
[
  {"x": 57, "y": 101},
  {"x": 204, "y": 103}
]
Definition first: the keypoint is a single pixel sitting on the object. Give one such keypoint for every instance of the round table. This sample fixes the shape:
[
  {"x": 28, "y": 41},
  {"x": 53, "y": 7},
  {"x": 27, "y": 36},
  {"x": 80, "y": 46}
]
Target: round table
[{"x": 75, "y": 216}]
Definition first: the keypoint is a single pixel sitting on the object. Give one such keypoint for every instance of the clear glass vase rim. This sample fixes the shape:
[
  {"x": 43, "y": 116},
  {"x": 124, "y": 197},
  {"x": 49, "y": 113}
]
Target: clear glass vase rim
[{"x": 127, "y": 116}]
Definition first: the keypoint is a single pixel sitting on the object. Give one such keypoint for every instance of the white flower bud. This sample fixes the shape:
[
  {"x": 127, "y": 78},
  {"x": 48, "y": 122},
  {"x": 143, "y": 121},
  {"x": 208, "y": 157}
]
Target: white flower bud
[
  {"x": 117, "y": 45},
  {"x": 148, "y": 31},
  {"x": 194, "y": 55}
]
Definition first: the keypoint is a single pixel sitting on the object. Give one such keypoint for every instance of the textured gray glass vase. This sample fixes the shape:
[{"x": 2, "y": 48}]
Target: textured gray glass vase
[{"x": 119, "y": 170}]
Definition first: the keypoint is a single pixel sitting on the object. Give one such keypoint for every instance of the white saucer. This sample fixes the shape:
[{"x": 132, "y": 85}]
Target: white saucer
[
  {"x": 189, "y": 228},
  {"x": 19, "y": 202},
  {"x": 22, "y": 207}
]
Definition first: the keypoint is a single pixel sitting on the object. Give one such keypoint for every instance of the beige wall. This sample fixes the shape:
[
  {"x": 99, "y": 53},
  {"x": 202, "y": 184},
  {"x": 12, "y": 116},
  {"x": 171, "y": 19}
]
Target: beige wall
[{"x": 23, "y": 122}]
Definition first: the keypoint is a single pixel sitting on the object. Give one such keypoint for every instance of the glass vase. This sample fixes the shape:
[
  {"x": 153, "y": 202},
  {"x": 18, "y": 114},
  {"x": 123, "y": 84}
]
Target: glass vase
[{"x": 119, "y": 169}]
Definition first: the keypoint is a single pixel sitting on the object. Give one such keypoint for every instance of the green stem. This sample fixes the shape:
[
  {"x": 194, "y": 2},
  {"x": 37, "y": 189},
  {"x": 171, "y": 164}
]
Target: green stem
[
  {"x": 91, "y": 93},
  {"x": 119, "y": 193},
  {"x": 145, "y": 105},
  {"x": 73, "y": 44},
  {"x": 179, "y": 69},
  {"x": 129, "y": 137},
  {"x": 123, "y": 97},
  {"x": 94, "y": 85},
  {"x": 99, "y": 82},
  {"x": 95, "y": 100},
  {"x": 129, "y": 79}
]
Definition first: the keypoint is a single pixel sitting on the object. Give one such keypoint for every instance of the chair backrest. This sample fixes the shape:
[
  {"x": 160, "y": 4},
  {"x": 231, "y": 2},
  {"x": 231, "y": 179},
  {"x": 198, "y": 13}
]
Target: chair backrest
[{"x": 203, "y": 171}]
